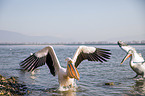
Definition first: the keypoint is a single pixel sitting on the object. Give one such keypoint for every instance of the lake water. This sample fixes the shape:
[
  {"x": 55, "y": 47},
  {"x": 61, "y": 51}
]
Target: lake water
[{"x": 93, "y": 75}]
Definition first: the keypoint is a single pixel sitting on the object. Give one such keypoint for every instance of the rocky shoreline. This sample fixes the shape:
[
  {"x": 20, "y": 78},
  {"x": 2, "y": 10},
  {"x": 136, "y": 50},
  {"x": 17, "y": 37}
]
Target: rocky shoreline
[{"x": 11, "y": 87}]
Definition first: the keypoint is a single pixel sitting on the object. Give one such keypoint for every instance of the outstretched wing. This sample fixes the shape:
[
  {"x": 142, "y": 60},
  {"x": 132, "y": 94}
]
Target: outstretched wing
[
  {"x": 46, "y": 55},
  {"x": 91, "y": 54},
  {"x": 125, "y": 47}
]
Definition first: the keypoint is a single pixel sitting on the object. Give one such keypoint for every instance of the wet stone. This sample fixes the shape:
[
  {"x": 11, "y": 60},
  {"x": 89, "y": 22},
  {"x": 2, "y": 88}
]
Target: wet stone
[
  {"x": 11, "y": 87},
  {"x": 110, "y": 83}
]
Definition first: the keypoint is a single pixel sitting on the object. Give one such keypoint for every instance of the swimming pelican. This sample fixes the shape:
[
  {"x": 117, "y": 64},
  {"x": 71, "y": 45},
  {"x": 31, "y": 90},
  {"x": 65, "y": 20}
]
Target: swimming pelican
[
  {"x": 137, "y": 62},
  {"x": 65, "y": 76}
]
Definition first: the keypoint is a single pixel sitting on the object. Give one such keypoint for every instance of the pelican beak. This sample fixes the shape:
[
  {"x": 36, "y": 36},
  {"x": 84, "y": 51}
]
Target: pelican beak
[
  {"x": 127, "y": 56},
  {"x": 72, "y": 71}
]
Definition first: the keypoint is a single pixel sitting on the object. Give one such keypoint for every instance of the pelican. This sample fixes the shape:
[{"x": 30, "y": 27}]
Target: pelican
[
  {"x": 66, "y": 76},
  {"x": 137, "y": 62}
]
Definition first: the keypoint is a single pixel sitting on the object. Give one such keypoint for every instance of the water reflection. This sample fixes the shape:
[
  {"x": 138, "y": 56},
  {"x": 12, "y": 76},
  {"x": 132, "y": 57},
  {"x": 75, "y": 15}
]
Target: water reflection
[
  {"x": 138, "y": 88},
  {"x": 52, "y": 91},
  {"x": 34, "y": 75},
  {"x": 68, "y": 93},
  {"x": 33, "y": 79}
]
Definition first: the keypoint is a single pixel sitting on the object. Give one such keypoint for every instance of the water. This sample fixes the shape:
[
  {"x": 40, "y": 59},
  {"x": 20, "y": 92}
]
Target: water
[{"x": 93, "y": 75}]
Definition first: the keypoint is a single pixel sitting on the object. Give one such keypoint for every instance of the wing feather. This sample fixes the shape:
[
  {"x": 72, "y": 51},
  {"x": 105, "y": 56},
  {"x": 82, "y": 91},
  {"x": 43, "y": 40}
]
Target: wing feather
[
  {"x": 26, "y": 60},
  {"x": 29, "y": 64},
  {"x": 90, "y": 54},
  {"x": 33, "y": 64},
  {"x": 46, "y": 55}
]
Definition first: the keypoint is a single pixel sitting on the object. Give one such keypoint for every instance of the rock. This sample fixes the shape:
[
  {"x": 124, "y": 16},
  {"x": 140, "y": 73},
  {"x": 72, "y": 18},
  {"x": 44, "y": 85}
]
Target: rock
[
  {"x": 2, "y": 92},
  {"x": 11, "y": 87},
  {"x": 110, "y": 84},
  {"x": 2, "y": 78}
]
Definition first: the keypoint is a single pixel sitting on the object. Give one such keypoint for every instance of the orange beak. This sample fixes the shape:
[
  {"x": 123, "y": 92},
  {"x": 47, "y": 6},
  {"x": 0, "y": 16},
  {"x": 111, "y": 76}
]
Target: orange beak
[
  {"x": 127, "y": 56},
  {"x": 72, "y": 71}
]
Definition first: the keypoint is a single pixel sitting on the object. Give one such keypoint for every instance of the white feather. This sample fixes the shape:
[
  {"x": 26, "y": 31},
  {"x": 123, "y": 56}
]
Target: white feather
[{"x": 83, "y": 49}]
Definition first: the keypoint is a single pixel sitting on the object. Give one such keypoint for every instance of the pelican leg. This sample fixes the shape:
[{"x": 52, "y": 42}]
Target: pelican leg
[
  {"x": 143, "y": 76},
  {"x": 135, "y": 76}
]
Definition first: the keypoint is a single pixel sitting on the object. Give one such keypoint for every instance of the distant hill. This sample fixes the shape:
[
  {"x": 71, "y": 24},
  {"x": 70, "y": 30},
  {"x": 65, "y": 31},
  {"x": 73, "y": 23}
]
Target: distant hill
[
  {"x": 9, "y": 36},
  {"x": 14, "y": 37}
]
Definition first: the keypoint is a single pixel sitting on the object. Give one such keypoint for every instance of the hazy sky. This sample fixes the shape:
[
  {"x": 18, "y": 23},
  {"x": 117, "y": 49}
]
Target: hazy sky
[{"x": 79, "y": 20}]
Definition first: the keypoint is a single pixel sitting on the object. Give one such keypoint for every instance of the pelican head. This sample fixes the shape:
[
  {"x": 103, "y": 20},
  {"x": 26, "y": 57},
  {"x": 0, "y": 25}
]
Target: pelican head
[
  {"x": 121, "y": 43},
  {"x": 72, "y": 71},
  {"x": 130, "y": 52},
  {"x": 68, "y": 59}
]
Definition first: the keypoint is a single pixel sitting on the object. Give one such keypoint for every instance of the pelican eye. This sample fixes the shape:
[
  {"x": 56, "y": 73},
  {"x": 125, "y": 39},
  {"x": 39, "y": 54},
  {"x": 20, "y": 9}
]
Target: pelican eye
[{"x": 70, "y": 62}]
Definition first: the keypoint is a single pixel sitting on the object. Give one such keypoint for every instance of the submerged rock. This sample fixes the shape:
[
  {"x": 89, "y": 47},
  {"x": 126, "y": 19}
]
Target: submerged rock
[
  {"x": 110, "y": 83},
  {"x": 11, "y": 87}
]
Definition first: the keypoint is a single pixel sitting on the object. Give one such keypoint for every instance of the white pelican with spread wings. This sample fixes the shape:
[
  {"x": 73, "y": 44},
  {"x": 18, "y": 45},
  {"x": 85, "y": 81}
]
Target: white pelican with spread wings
[
  {"x": 67, "y": 75},
  {"x": 137, "y": 62}
]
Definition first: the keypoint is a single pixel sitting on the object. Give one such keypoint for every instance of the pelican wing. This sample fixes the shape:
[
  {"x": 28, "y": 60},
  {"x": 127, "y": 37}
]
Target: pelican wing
[
  {"x": 91, "y": 54},
  {"x": 125, "y": 47},
  {"x": 46, "y": 55}
]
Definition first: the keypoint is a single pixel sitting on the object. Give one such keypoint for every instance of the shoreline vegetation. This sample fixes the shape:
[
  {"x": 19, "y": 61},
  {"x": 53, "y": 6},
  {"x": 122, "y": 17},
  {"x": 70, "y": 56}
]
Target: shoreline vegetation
[
  {"x": 74, "y": 43},
  {"x": 11, "y": 87}
]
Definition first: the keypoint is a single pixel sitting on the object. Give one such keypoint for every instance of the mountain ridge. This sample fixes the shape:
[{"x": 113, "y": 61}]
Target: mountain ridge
[{"x": 10, "y": 36}]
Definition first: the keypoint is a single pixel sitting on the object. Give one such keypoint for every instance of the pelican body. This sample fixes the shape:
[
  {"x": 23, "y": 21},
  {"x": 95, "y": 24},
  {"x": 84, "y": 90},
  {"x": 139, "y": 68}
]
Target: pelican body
[
  {"x": 67, "y": 75},
  {"x": 136, "y": 62}
]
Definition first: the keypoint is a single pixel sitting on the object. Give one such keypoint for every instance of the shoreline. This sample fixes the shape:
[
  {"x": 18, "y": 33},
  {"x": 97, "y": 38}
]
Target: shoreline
[{"x": 68, "y": 44}]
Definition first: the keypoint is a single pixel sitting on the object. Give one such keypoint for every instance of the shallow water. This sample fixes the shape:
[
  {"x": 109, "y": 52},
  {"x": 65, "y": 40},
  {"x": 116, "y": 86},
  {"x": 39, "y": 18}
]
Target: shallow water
[{"x": 93, "y": 75}]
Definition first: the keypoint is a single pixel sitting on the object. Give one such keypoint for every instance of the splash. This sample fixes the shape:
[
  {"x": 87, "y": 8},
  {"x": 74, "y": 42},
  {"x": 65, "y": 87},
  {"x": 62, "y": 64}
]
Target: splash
[{"x": 72, "y": 87}]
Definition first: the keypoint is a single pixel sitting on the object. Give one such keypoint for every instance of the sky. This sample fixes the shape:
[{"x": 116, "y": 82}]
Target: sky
[{"x": 75, "y": 20}]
